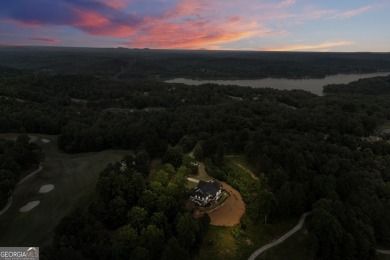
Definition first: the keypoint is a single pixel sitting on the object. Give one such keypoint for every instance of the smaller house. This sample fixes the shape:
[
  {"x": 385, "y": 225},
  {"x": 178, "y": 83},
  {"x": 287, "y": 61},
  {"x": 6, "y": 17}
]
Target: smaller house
[{"x": 206, "y": 193}]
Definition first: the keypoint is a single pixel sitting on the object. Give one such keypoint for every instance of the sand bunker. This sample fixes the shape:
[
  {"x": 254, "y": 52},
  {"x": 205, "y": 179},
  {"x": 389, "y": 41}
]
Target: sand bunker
[
  {"x": 46, "y": 188},
  {"x": 29, "y": 206},
  {"x": 45, "y": 140}
]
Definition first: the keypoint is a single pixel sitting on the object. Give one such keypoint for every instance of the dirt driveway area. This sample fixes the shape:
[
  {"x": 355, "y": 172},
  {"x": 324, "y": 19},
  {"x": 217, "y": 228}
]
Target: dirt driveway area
[{"x": 231, "y": 211}]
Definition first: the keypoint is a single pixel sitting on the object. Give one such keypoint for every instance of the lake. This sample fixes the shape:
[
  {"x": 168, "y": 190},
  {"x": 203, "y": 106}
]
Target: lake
[{"x": 313, "y": 85}]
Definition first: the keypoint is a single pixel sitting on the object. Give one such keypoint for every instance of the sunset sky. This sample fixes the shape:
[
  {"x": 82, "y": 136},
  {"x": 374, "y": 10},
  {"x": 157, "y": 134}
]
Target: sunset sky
[{"x": 279, "y": 25}]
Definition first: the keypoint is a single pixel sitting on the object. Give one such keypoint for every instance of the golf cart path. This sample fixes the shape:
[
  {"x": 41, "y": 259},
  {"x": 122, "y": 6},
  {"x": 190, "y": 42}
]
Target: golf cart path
[
  {"x": 9, "y": 203},
  {"x": 281, "y": 239},
  {"x": 31, "y": 174},
  {"x": 288, "y": 234}
]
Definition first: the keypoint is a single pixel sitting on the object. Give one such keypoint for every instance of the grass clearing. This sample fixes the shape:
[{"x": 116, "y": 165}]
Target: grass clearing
[
  {"x": 219, "y": 243},
  {"x": 235, "y": 243},
  {"x": 238, "y": 163},
  {"x": 74, "y": 177},
  {"x": 383, "y": 257},
  {"x": 295, "y": 247}
]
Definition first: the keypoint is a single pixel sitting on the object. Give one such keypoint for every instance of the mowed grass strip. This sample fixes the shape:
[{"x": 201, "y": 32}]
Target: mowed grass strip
[
  {"x": 234, "y": 162},
  {"x": 74, "y": 178}
]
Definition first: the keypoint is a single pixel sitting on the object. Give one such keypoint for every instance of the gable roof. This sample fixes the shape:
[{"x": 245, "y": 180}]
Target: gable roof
[{"x": 207, "y": 188}]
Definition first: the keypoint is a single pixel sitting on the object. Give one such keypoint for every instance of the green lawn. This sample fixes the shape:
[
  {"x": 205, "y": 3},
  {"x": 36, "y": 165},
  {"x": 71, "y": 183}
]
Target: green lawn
[
  {"x": 244, "y": 175},
  {"x": 383, "y": 257},
  {"x": 219, "y": 243},
  {"x": 239, "y": 159},
  {"x": 74, "y": 177},
  {"x": 295, "y": 247},
  {"x": 232, "y": 243}
]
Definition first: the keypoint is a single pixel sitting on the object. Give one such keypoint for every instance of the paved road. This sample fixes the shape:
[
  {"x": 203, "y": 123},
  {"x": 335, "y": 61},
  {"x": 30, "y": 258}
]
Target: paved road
[
  {"x": 281, "y": 239},
  {"x": 192, "y": 180}
]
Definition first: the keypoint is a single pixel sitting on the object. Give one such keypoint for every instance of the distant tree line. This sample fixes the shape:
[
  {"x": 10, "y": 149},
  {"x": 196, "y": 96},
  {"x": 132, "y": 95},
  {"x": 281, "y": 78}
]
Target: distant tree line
[
  {"x": 371, "y": 86},
  {"x": 139, "y": 63}
]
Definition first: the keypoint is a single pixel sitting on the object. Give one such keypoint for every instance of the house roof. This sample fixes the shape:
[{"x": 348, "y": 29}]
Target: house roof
[{"x": 207, "y": 188}]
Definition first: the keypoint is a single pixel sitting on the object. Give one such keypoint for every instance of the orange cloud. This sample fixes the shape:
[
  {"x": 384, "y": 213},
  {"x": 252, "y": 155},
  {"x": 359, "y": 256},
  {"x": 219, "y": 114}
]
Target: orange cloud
[{"x": 309, "y": 47}]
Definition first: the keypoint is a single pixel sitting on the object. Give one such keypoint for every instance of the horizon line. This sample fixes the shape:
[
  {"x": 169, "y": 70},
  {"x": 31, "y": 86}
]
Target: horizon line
[{"x": 167, "y": 49}]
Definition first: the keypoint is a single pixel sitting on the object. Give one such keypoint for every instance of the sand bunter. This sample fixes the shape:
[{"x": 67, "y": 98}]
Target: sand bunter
[
  {"x": 46, "y": 188},
  {"x": 29, "y": 206}
]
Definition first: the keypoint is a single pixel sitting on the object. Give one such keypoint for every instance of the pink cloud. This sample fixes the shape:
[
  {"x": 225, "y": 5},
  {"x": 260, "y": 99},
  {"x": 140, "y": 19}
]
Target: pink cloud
[
  {"x": 97, "y": 24},
  {"x": 195, "y": 33},
  {"x": 116, "y": 4},
  {"x": 45, "y": 39},
  {"x": 89, "y": 19},
  {"x": 286, "y": 3},
  {"x": 187, "y": 24}
]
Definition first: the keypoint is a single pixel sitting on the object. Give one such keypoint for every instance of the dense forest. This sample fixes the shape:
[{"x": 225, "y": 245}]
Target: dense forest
[{"x": 312, "y": 154}]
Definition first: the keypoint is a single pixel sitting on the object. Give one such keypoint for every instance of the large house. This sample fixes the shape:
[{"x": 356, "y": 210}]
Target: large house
[{"x": 206, "y": 193}]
